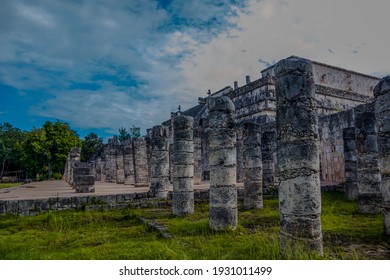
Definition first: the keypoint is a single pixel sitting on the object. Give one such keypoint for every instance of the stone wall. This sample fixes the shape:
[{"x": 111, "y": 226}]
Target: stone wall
[
  {"x": 332, "y": 144},
  {"x": 30, "y": 207}
]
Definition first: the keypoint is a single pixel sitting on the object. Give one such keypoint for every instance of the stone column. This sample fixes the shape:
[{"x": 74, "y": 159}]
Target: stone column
[
  {"x": 268, "y": 144},
  {"x": 128, "y": 163},
  {"x": 298, "y": 156},
  {"x": 197, "y": 160},
  {"x": 183, "y": 166},
  {"x": 350, "y": 163},
  {"x": 368, "y": 174},
  {"x": 98, "y": 168},
  {"x": 110, "y": 168},
  {"x": 140, "y": 163},
  {"x": 160, "y": 163},
  {"x": 222, "y": 137},
  {"x": 74, "y": 158},
  {"x": 382, "y": 113},
  {"x": 240, "y": 155},
  {"x": 120, "y": 172},
  {"x": 253, "y": 166},
  {"x": 83, "y": 181}
]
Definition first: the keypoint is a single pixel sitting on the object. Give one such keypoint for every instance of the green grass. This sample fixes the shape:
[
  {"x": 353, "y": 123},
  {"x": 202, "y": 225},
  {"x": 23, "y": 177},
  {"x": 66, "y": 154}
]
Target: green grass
[
  {"x": 119, "y": 234},
  {"x": 8, "y": 185}
]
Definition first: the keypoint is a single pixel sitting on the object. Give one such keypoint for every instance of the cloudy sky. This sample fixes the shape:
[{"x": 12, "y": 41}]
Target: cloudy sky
[{"x": 105, "y": 64}]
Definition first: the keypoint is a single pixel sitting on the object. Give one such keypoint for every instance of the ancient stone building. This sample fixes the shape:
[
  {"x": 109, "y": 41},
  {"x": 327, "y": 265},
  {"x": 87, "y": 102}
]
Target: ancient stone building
[{"x": 338, "y": 93}]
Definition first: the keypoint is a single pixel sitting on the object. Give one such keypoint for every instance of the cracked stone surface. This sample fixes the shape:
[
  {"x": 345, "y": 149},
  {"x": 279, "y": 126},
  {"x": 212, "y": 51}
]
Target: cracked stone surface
[
  {"x": 382, "y": 114},
  {"x": 183, "y": 166},
  {"x": 222, "y": 160},
  {"x": 298, "y": 156},
  {"x": 253, "y": 166}
]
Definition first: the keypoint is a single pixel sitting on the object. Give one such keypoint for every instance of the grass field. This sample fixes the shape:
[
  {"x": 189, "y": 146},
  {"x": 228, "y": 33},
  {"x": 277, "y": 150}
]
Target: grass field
[
  {"x": 8, "y": 185},
  {"x": 119, "y": 234}
]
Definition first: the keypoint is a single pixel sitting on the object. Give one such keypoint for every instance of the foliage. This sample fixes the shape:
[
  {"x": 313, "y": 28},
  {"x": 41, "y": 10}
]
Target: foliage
[
  {"x": 124, "y": 135},
  {"x": 10, "y": 140},
  {"x": 132, "y": 132},
  {"x": 135, "y": 132},
  {"x": 92, "y": 143},
  {"x": 45, "y": 150}
]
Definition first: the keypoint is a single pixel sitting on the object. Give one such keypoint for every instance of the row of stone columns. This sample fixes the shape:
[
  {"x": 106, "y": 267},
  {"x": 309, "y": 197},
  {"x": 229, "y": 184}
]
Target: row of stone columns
[
  {"x": 297, "y": 159},
  {"x": 367, "y": 155}
]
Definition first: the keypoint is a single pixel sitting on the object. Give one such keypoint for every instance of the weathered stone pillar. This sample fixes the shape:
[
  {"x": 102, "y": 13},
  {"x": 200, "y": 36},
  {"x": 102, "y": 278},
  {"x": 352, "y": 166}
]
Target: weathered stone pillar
[
  {"x": 98, "y": 169},
  {"x": 197, "y": 160},
  {"x": 83, "y": 181},
  {"x": 240, "y": 155},
  {"x": 350, "y": 163},
  {"x": 183, "y": 166},
  {"x": 140, "y": 163},
  {"x": 368, "y": 174},
  {"x": 74, "y": 158},
  {"x": 120, "y": 172},
  {"x": 298, "y": 156},
  {"x": 382, "y": 113},
  {"x": 160, "y": 163},
  {"x": 253, "y": 166},
  {"x": 128, "y": 163},
  {"x": 222, "y": 137},
  {"x": 268, "y": 145},
  {"x": 110, "y": 166}
]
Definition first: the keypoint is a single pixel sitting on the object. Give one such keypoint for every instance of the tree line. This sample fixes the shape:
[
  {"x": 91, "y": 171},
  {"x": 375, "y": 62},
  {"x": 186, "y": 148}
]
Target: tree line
[{"x": 43, "y": 151}]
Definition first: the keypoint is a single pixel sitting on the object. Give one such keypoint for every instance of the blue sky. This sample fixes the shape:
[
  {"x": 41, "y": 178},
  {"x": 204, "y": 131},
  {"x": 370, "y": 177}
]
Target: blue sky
[{"x": 102, "y": 65}]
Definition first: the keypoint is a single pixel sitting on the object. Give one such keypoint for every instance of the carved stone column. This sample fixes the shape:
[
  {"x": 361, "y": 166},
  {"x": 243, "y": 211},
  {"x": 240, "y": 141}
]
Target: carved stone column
[
  {"x": 368, "y": 174},
  {"x": 253, "y": 166},
  {"x": 350, "y": 158},
  {"x": 298, "y": 156},
  {"x": 160, "y": 163},
  {"x": 183, "y": 166},
  {"x": 222, "y": 137},
  {"x": 382, "y": 113}
]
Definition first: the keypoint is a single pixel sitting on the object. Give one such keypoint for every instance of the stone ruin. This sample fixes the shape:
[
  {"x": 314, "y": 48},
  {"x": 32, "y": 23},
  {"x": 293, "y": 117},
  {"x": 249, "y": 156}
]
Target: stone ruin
[
  {"x": 382, "y": 115},
  {"x": 298, "y": 156},
  {"x": 253, "y": 166},
  {"x": 302, "y": 123},
  {"x": 79, "y": 174},
  {"x": 223, "y": 191},
  {"x": 183, "y": 162}
]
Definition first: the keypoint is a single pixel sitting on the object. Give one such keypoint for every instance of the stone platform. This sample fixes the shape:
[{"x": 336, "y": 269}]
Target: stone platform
[{"x": 55, "y": 189}]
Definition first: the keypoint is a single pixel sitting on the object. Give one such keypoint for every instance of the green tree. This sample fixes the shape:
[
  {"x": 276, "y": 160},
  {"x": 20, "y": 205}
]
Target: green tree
[
  {"x": 10, "y": 140},
  {"x": 34, "y": 152},
  {"x": 92, "y": 144},
  {"x": 135, "y": 132},
  {"x": 46, "y": 149},
  {"x": 123, "y": 135}
]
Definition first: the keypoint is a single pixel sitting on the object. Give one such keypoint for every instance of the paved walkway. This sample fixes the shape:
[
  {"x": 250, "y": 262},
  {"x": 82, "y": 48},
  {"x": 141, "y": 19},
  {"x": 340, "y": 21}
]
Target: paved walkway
[{"x": 47, "y": 189}]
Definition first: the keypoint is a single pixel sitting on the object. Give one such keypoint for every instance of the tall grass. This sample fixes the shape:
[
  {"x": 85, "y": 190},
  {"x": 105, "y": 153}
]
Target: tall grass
[{"x": 120, "y": 234}]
